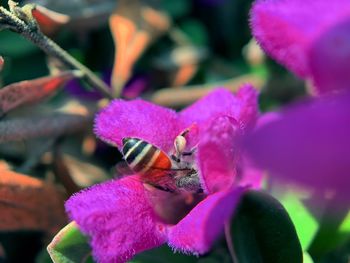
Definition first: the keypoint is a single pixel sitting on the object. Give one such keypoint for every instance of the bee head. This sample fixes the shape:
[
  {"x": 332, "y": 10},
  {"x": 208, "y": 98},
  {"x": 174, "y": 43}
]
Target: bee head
[{"x": 125, "y": 140}]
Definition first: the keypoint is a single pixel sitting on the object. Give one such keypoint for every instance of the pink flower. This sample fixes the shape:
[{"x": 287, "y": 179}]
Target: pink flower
[
  {"x": 311, "y": 38},
  {"x": 307, "y": 143},
  {"x": 123, "y": 217}
]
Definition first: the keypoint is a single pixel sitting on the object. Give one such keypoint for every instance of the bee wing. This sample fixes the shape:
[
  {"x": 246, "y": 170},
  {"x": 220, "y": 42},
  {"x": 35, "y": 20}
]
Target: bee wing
[
  {"x": 171, "y": 172},
  {"x": 123, "y": 169}
]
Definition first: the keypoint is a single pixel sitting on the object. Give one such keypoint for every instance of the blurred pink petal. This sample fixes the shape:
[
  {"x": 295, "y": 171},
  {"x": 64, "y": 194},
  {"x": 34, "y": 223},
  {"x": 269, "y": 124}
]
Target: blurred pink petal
[
  {"x": 308, "y": 144},
  {"x": 201, "y": 227},
  {"x": 330, "y": 58},
  {"x": 118, "y": 218},
  {"x": 308, "y": 37},
  {"x": 266, "y": 118},
  {"x": 248, "y": 175}
]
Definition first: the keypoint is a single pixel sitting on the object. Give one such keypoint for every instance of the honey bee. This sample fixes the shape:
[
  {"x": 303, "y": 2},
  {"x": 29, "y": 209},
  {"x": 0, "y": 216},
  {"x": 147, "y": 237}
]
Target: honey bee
[{"x": 155, "y": 167}]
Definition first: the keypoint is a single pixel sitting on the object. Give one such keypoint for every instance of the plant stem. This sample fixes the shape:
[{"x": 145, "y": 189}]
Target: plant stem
[
  {"x": 31, "y": 32},
  {"x": 62, "y": 172},
  {"x": 229, "y": 242},
  {"x": 329, "y": 224}
]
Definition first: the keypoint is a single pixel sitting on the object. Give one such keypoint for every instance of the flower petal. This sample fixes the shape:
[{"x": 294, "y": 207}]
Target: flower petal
[
  {"x": 242, "y": 106},
  {"x": 329, "y": 59},
  {"x": 286, "y": 29},
  {"x": 199, "y": 229},
  {"x": 217, "y": 155},
  {"x": 308, "y": 143},
  {"x": 249, "y": 175},
  {"x": 139, "y": 119},
  {"x": 118, "y": 218}
]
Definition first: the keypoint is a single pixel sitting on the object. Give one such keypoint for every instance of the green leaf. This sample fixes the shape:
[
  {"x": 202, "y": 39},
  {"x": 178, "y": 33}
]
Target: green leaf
[
  {"x": 176, "y": 8},
  {"x": 262, "y": 231},
  {"x": 307, "y": 258},
  {"x": 218, "y": 254},
  {"x": 195, "y": 31},
  {"x": 70, "y": 246},
  {"x": 332, "y": 233},
  {"x": 163, "y": 254},
  {"x": 305, "y": 223},
  {"x": 13, "y": 45}
]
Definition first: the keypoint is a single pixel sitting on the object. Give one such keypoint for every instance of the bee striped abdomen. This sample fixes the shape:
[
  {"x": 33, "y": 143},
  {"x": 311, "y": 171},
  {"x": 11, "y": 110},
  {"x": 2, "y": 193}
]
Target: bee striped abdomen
[{"x": 142, "y": 157}]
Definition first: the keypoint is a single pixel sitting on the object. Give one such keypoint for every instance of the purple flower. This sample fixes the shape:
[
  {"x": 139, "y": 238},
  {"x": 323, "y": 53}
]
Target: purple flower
[
  {"x": 311, "y": 38},
  {"x": 133, "y": 88},
  {"x": 308, "y": 142},
  {"x": 124, "y": 217}
]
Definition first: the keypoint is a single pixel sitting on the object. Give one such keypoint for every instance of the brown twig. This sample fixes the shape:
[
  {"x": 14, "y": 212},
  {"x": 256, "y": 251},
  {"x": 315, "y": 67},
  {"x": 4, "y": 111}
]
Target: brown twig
[
  {"x": 179, "y": 97},
  {"x": 21, "y": 21},
  {"x": 35, "y": 157},
  {"x": 62, "y": 172}
]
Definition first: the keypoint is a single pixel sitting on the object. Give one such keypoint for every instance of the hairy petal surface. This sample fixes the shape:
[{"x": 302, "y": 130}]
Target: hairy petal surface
[
  {"x": 217, "y": 155},
  {"x": 202, "y": 226},
  {"x": 243, "y": 107},
  {"x": 287, "y": 30},
  {"x": 249, "y": 108},
  {"x": 308, "y": 143},
  {"x": 139, "y": 119},
  {"x": 118, "y": 218}
]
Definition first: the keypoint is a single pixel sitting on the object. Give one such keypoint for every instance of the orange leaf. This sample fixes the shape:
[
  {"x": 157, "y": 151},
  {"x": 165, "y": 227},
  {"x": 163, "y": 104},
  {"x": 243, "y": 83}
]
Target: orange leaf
[
  {"x": 27, "y": 203},
  {"x": 51, "y": 126},
  {"x": 184, "y": 74},
  {"x": 31, "y": 91},
  {"x": 134, "y": 26},
  {"x": 49, "y": 21}
]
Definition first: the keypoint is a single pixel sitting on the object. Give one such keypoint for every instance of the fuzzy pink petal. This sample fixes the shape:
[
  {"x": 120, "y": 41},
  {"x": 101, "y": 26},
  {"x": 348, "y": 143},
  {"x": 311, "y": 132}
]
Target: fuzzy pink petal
[
  {"x": 118, "y": 218},
  {"x": 330, "y": 59},
  {"x": 217, "y": 154},
  {"x": 243, "y": 107},
  {"x": 308, "y": 144},
  {"x": 139, "y": 119},
  {"x": 197, "y": 232},
  {"x": 286, "y": 29}
]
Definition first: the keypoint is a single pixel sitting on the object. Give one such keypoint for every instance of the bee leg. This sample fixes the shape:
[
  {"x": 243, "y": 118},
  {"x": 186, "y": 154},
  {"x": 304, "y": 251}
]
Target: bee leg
[
  {"x": 191, "y": 152},
  {"x": 159, "y": 187},
  {"x": 163, "y": 188},
  {"x": 187, "y": 153},
  {"x": 190, "y": 183},
  {"x": 175, "y": 158}
]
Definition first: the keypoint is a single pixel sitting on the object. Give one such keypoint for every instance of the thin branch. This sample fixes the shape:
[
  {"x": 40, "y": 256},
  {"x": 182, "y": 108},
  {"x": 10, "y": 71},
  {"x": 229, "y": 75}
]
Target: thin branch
[
  {"x": 35, "y": 157},
  {"x": 22, "y": 22},
  {"x": 62, "y": 172}
]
